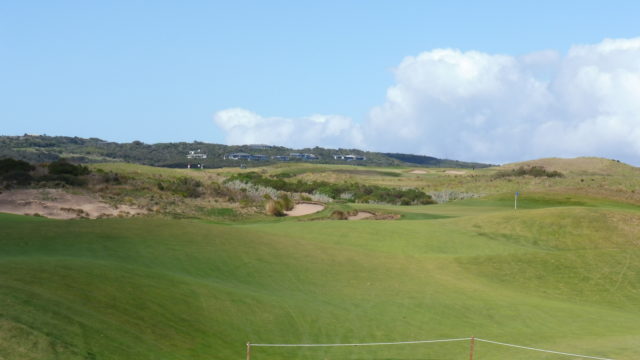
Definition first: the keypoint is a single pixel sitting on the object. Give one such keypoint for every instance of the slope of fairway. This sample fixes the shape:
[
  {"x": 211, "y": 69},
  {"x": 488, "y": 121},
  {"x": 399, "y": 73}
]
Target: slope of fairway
[{"x": 559, "y": 277}]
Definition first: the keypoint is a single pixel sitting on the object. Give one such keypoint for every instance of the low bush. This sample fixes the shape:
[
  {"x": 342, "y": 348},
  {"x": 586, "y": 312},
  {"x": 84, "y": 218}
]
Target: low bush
[
  {"x": 338, "y": 215},
  {"x": 15, "y": 172},
  {"x": 274, "y": 207},
  {"x": 64, "y": 167},
  {"x": 61, "y": 172},
  {"x": 535, "y": 171},
  {"x": 287, "y": 203},
  {"x": 9, "y": 165},
  {"x": 183, "y": 186},
  {"x": 108, "y": 177},
  {"x": 358, "y": 192},
  {"x": 58, "y": 173}
]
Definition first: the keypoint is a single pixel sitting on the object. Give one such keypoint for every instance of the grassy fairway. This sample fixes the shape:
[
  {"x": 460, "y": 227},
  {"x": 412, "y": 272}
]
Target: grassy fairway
[{"x": 564, "y": 276}]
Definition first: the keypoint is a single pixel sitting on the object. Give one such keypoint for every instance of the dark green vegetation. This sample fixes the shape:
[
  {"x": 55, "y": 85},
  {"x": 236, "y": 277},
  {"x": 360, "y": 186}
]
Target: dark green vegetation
[
  {"x": 535, "y": 171},
  {"x": 38, "y": 149},
  {"x": 59, "y": 172},
  {"x": 352, "y": 191},
  {"x": 16, "y": 172},
  {"x": 277, "y": 207},
  {"x": 430, "y": 161}
]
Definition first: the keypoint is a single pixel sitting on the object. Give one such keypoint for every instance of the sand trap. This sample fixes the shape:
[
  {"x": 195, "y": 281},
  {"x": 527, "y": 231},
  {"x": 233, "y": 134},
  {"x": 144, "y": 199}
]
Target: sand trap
[
  {"x": 58, "y": 204},
  {"x": 304, "y": 209},
  {"x": 417, "y": 172},
  {"x": 361, "y": 215},
  {"x": 454, "y": 172}
]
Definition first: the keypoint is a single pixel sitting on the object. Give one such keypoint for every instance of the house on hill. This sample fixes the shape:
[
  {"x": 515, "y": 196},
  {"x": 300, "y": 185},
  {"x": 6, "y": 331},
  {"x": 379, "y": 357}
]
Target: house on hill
[
  {"x": 239, "y": 156},
  {"x": 259, "y": 157},
  {"x": 302, "y": 156},
  {"x": 196, "y": 154},
  {"x": 245, "y": 156},
  {"x": 350, "y": 157}
]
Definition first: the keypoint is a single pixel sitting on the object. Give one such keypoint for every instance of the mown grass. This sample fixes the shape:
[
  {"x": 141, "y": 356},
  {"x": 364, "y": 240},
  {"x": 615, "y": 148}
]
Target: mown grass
[{"x": 561, "y": 274}]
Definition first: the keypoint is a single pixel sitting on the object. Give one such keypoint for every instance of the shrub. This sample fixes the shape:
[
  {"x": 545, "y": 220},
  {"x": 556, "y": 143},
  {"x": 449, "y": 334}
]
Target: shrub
[
  {"x": 275, "y": 208},
  {"x": 338, "y": 215},
  {"x": 9, "y": 165},
  {"x": 358, "y": 192},
  {"x": 62, "y": 172},
  {"x": 18, "y": 178},
  {"x": 110, "y": 177},
  {"x": 287, "y": 203},
  {"x": 184, "y": 186},
  {"x": 64, "y": 167},
  {"x": 15, "y": 172},
  {"x": 535, "y": 171},
  {"x": 64, "y": 179}
]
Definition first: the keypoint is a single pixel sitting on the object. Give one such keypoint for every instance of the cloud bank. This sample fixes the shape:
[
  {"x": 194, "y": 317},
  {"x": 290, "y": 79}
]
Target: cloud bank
[
  {"x": 245, "y": 127},
  {"x": 484, "y": 107}
]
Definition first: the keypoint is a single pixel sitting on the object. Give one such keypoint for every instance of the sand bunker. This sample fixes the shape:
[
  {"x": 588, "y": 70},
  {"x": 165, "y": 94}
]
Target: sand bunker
[
  {"x": 454, "y": 172},
  {"x": 361, "y": 215},
  {"x": 417, "y": 172},
  {"x": 58, "y": 204},
  {"x": 304, "y": 209}
]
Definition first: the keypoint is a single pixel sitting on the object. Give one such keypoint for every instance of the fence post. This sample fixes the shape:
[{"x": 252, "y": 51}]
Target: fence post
[
  {"x": 248, "y": 350},
  {"x": 471, "y": 347}
]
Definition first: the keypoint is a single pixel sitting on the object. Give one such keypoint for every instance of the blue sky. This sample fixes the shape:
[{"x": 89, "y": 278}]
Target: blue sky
[{"x": 161, "y": 71}]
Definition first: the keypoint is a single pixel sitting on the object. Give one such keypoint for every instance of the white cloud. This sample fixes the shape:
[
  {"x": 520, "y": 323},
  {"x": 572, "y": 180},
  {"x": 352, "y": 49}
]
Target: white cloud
[
  {"x": 245, "y": 127},
  {"x": 460, "y": 105},
  {"x": 485, "y": 107}
]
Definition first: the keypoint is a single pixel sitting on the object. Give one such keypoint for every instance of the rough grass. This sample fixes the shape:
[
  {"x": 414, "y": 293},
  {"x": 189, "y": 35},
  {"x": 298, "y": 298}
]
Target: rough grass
[
  {"x": 594, "y": 177},
  {"x": 584, "y": 165}
]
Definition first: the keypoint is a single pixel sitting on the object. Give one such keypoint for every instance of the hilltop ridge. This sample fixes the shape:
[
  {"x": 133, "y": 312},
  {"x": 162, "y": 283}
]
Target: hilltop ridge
[
  {"x": 43, "y": 148},
  {"x": 583, "y": 165}
]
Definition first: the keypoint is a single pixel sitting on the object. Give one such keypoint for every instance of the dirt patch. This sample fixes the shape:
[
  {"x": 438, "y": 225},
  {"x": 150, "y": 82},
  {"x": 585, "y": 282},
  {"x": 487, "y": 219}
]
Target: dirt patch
[
  {"x": 58, "y": 204},
  {"x": 417, "y": 172},
  {"x": 304, "y": 209},
  {"x": 361, "y": 215},
  {"x": 455, "y": 172}
]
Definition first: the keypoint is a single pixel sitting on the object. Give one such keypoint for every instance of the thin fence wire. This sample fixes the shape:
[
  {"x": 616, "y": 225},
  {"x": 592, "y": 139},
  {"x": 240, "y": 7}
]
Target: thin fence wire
[
  {"x": 363, "y": 344},
  {"x": 434, "y": 341},
  {"x": 543, "y": 350}
]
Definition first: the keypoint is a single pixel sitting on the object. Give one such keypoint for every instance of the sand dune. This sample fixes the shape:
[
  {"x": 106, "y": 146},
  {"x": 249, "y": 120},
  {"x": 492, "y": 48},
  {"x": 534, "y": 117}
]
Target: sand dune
[{"x": 58, "y": 204}]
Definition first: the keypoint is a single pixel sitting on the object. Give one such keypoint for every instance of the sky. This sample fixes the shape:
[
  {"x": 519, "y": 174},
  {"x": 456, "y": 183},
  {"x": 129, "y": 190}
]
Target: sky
[{"x": 491, "y": 81}]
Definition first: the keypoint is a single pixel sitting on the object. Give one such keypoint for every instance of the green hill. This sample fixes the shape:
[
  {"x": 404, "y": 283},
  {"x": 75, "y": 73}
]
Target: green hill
[
  {"x": 42, "y": 148},
  {"x": 560, "y": 273}
]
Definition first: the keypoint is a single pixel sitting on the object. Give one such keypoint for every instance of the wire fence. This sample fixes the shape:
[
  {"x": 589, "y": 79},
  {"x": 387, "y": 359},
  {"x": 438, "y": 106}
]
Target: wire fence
[
  {"x": 543, "y": 350},
  {"x": 364, "y": 344},
  {"x": 471, "y": 339}
]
